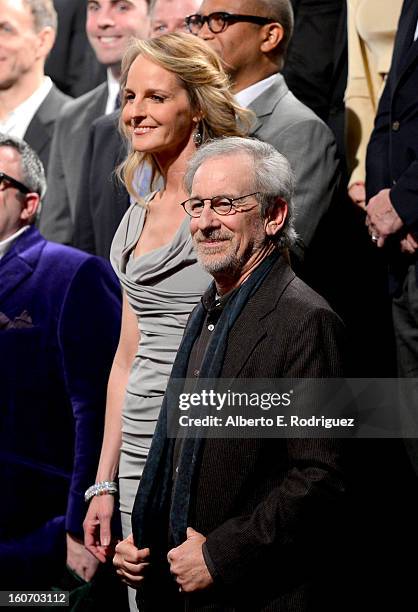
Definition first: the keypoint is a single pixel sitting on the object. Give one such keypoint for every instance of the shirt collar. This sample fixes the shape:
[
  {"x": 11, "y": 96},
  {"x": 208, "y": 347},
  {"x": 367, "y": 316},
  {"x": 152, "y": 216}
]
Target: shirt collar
[
  {"x": 249, "y": 94},
  {"x": 113, "y": 89},
  {"x": 7, "y": 243},
  {"x": 212, "y": 301},
  {"x": 19, "y": 119}
]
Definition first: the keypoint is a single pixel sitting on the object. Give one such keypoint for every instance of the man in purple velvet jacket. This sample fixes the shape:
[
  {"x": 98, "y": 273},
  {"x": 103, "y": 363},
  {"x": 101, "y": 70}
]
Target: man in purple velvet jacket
[{"x": 59, "y": 326}]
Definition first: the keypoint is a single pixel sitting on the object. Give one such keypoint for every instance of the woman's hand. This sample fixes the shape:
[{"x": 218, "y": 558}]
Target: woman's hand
[
  {"x": 97, "y": 528},
  {"x": 357, "y": 194}
]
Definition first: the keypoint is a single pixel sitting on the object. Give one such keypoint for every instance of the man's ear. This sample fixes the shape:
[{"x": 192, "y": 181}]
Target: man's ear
[
  {"x": 46, "y": 40},
  {"x": 30, "y": 206},
  {"x": 276, "y": 216},
  {"x": 272, "y": 35}
]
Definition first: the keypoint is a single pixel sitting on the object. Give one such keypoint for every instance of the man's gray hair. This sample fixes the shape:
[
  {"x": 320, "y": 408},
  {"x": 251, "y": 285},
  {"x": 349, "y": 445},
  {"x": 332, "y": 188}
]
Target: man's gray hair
[
  {"x": 43, "y": 13},
  {"x": 33, "y": 173},
  {"x": 272, "y": 177}
]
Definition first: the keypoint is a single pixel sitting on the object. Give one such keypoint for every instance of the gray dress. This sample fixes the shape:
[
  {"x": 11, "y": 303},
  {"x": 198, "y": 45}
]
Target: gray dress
[{"x": 162, "y": 287}]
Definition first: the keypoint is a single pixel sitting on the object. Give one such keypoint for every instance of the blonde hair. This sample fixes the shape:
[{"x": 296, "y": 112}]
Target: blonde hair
[{"x": 200, "y": 71}]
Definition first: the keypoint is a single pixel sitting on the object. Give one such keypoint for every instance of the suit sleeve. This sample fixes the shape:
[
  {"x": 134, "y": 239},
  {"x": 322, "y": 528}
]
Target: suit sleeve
[
  {"x": 377, "y": 159},
  {"x": 55, "y": 221},
  {"x": 83, "y": 224},
  {"x": 295, "y": 518},
  {"x": 404, "y": 192},
  {"x": 404, "y": 197},
  {"x": 88, "y": 333},
  {"x": 311, "y": 151}
]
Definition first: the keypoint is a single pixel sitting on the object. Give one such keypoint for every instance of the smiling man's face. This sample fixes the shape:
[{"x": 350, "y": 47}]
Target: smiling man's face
[
  {"x": 20, "y": 43},
  {"x": 227, "y": 245},
  {"x": 111, "y": 23}
]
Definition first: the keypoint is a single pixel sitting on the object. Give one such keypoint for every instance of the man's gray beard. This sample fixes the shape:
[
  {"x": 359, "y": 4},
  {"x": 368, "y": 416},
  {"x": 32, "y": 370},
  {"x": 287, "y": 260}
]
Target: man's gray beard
[{"x": 229, "y": 264}]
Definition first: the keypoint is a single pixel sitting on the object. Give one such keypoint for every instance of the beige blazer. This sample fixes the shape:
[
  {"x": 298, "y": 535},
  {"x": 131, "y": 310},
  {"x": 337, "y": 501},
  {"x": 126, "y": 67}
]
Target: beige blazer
[{"x": 372, "y": 27}]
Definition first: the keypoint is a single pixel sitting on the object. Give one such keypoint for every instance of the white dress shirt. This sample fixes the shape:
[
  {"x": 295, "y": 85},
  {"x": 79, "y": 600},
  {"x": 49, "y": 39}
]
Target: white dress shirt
[
  {"x": 113, "y": 88},
  {"x": 7, "y": 243},
  {"x": 249, "y": 94},
  {"x": 17, "y": 122}
]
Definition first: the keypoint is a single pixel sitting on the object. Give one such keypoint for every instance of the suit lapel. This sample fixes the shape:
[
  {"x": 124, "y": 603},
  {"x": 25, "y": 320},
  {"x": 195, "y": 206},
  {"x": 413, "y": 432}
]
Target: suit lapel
[
  {"x": 39, "y": 132},
  {"x": 20, "y": 261},
  {"x": 98, "y": 107},
  {"x": 411, "y": 55},
  {"x": 250, "y": 329},
  {"x": 266, "y": 102},
  {"x": 406, "y": 51},
  {"x": 37, "y": 135}
]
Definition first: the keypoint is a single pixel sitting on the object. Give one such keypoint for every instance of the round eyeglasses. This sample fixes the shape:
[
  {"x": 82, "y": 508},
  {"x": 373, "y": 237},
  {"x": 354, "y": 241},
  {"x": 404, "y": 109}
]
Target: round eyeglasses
[
  {"x": 8, "y": 181},
  {"x": 218, "y": 22},
  {"x": 221, "y": 205}
]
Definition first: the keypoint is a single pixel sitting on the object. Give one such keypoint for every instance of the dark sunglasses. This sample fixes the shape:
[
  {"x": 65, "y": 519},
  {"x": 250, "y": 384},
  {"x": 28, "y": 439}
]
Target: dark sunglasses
[
  {"x": 218, "y": 22},
  {"x": 5, "y": 178}
]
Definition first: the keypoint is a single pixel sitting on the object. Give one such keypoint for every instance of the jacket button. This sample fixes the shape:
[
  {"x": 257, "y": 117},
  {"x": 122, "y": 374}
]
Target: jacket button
[{"x": 395, "y": 126}]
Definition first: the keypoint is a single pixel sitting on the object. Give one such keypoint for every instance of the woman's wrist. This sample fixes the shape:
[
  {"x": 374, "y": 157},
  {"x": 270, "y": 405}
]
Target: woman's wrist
[{"x": 103, "y": 487}]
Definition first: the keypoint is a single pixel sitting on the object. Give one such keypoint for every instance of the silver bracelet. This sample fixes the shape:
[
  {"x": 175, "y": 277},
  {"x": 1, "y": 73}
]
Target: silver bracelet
[{"x": 106, "y": 487}]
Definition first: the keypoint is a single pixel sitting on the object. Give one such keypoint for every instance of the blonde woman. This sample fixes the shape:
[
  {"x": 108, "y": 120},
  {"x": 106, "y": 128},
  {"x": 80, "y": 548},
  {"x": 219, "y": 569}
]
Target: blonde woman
[
  {"x": 175, "y": 96},
  {"x": 372, "y": 27}
]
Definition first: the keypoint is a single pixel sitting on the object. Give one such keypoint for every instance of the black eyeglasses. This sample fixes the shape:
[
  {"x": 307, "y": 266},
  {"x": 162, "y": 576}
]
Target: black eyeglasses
[
  {"x": 5, "y": 178},
  {"x": 219, "y": 204},
  {"x": 218, "y": 22}
]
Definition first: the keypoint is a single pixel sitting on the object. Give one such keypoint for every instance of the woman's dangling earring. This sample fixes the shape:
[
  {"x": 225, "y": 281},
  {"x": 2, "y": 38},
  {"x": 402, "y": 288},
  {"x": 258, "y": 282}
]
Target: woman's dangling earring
[{"x": 197, "y": 136}]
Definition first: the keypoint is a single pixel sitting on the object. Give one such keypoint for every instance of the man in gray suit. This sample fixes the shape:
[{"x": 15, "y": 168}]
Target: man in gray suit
[
  {"x": 29, "y": 102},
  {"x": 110, "y": 24},
  {"x": 252, "y": 36}
]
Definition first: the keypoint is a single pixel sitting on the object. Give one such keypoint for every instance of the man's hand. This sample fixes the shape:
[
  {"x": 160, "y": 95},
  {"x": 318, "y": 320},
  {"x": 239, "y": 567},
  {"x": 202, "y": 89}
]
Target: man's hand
[
  {"x": 79, "y": 559},
  {"x": 382, "y": 219},
  {"x": 188, "y": 565},
  {"x": 97, "y": 532},
  {"x": 409, "y": 245},
  {"x": 130, "y": 562},
  {"x": 357, "y": 194}
]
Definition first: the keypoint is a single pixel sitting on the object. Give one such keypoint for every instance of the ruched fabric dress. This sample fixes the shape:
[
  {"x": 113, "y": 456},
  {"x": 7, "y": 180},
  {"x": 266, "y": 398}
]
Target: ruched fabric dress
[{"x": 162, "y": 287}]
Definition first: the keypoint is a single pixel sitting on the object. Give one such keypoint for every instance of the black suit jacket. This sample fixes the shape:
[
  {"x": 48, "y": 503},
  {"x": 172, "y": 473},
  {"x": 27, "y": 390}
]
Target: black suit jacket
[
  {"x": 392, "y": 154},
  {"x": 102, "y": 199},
  {"x": 40, "y": 130},
  {"x": 72, "y": 64}
]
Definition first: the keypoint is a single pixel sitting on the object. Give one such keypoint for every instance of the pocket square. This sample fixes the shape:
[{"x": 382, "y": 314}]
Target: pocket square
[{"x": 24, "y": 320}]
